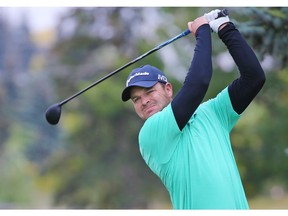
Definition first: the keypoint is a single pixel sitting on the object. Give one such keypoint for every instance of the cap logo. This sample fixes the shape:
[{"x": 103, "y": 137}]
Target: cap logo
[
  {"x": 135, "y": 75},
  {"x": 162, "y": 78}
]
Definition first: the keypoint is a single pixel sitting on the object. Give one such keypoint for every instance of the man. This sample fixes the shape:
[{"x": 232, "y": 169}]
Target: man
[{"x": 187, "y": 143}]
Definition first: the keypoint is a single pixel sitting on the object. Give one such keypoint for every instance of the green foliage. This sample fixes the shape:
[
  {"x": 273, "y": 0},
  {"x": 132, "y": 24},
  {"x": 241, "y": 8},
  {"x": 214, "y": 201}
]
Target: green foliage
[{"x": 267, "y": 30}]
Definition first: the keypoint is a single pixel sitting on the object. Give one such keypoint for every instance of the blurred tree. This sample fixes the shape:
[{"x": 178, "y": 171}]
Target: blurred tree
[
  {"x": 266, "y": 29},
  {"x": 25, "y": 142}
]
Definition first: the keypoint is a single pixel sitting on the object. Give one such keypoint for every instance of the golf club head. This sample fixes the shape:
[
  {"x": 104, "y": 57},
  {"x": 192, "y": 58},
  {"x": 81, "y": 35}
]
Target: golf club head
[{"x": 53, "y": 114}]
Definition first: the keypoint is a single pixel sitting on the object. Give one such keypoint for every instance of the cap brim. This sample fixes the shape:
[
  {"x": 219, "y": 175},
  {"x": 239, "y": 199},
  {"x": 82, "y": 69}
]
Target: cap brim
[{"x": 126, "y": 92}]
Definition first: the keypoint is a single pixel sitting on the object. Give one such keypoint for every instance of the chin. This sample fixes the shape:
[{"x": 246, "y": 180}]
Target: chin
[{"x": 151, "y": 114}]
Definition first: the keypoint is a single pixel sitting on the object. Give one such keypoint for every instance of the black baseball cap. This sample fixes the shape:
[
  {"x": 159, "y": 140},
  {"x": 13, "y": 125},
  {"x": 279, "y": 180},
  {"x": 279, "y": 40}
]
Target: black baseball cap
[{"x": 144, "y": 76}]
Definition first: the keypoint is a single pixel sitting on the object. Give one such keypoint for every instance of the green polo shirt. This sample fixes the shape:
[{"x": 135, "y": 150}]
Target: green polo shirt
[{"x": 196, "y": 165}]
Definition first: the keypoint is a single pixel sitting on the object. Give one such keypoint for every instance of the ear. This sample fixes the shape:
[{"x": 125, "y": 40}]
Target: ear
[{"x": 169, "y": 89}]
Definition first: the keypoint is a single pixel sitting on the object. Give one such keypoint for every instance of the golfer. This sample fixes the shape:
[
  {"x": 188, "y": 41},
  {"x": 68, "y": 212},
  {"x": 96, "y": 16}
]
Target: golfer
[{"x": 186, "y": 142}]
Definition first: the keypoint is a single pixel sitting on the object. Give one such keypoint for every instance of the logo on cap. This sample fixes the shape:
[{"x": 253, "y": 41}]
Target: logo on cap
[
  {"x": 162, "y": 78},
  {"x": 135, "y": 75}
]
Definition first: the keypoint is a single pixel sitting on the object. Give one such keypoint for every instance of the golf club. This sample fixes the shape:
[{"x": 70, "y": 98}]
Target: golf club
[{"x": 53, "y": 113}]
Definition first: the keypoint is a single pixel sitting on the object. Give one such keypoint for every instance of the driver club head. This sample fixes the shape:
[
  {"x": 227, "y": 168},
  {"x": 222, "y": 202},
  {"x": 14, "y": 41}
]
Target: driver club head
[{"x": 53, "y": 114}]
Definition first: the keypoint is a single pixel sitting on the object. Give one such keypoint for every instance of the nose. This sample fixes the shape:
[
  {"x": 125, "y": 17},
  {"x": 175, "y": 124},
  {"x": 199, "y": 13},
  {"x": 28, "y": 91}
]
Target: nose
[{"x": 145, "y": 100}]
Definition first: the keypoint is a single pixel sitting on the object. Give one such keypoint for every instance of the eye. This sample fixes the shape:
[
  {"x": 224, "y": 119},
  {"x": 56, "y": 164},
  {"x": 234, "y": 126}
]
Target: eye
[
  {"x": 149, "y": 91},
  {"x": 135, "y": 99}
]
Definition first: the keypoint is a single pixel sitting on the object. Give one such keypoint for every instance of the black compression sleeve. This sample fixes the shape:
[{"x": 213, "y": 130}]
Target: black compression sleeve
[
  {"x": 197, "y": 80},
  {"x": 244, "y": 89}
]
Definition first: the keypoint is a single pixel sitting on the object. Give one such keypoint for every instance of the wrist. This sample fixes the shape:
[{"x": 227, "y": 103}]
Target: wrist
[{"x": 222, "y": 26}]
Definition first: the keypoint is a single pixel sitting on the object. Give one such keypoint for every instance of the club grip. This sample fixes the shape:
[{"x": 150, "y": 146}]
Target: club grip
[{"x": 223, "y": 13}]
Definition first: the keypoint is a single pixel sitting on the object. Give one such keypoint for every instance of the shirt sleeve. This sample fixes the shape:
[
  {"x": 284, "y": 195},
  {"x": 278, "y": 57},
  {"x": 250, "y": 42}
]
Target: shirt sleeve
[
  {"x": 197, "y": 80},
  {"x": 244, "y": 89},
  {"x": 223, "y": 109}
]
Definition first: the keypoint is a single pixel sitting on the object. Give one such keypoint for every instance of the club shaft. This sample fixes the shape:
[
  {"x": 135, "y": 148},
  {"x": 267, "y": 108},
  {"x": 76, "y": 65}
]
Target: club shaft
[
  {"x": 222, "y": 13},
  {"x": 184, "y": 33}
]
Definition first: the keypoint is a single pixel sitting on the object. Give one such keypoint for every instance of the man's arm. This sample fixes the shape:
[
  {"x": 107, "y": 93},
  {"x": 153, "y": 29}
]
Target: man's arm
[
  {"x": 252, "y": 78},
  {"x": 198, "y": 77}
]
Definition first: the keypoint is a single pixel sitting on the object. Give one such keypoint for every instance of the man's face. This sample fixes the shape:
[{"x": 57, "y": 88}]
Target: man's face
[{"x": 148, "y": 101}]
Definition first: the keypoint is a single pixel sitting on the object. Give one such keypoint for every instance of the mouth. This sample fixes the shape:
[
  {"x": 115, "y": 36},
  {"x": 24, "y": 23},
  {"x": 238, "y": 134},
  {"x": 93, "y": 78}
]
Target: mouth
[{"x": 149, "y": 110}]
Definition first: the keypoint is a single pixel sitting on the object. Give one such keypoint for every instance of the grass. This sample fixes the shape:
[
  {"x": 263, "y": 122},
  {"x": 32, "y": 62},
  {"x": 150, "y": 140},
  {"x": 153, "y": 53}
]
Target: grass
[{"x": 266, "y": 202}]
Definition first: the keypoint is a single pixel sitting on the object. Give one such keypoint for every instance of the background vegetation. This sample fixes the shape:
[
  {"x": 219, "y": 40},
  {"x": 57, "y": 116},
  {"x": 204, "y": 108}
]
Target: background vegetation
[{"x": 91, "y": 158}]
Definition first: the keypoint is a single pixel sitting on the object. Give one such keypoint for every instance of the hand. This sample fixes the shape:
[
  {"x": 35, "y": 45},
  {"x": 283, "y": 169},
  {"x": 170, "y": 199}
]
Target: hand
[
  {"x": 194, "y": 25},
  {"x": 214, "y": 23},
  {"x": 212, "y": 15},
  {"x": 217, "y": 24}
]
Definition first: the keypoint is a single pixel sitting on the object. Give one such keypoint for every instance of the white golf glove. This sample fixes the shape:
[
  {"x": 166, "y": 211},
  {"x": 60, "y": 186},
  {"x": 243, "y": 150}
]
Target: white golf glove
[
  {"x": 212, "y": 15},
  {"x": 215, "y": 23}
]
